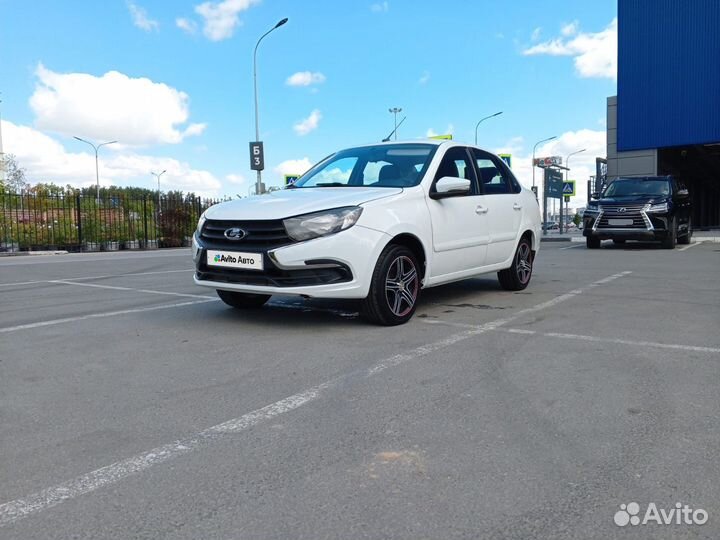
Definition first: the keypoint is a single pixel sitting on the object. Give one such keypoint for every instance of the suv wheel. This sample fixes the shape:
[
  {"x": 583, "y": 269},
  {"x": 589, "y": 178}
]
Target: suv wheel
[
  {"x": 685, "y": 239},
  {"x": 671, "y": 239},
  {"x": 517, "y": 277},
  {"x": 242, "y": 300},
  {"x": 394, "y": 289},
  {"x": 592, "y": 242}
]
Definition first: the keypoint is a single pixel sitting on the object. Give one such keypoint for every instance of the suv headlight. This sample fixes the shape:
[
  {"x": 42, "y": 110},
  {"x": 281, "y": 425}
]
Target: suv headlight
[
  {"x": 201, "y": 222},
  {"x": 322, "y": 223},
  {"x": 592, "y": 208},
  {"x": 662, "y": 207}
]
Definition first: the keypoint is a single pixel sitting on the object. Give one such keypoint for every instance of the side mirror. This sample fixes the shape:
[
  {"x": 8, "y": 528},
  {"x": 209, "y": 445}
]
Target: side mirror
[
  {"x": 595, "y": 195},
  {"x": 449, "y": 186},
  {"x": 683, "y": 193}
]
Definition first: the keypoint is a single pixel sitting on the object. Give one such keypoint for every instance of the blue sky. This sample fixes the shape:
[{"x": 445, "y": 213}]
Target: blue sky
[{"x": 172, "y": 82}]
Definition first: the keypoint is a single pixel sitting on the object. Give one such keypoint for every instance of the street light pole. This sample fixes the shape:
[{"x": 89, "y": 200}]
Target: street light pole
[
  {"x": 482, "y": 120},
  {"x": 395, "y": 111},
  {"x": 258, "y": 183},
  {"x": 158, "y": 175},
  {"x": 567, "y": 174},
  {"x": 533, "y": 158},
  {"x": 97, "y": 169}
]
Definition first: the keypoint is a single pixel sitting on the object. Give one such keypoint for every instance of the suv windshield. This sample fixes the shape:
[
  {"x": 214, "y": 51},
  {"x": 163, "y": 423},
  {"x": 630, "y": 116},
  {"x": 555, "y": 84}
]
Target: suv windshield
[
  {"x": 396, "y": 165},
  {"x": 628, "y": 187}
]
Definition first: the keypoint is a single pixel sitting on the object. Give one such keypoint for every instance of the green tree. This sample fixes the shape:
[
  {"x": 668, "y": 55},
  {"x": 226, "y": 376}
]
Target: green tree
[
  {"x": 577, "y": 219},
  {"x": 14, "y": 175}
]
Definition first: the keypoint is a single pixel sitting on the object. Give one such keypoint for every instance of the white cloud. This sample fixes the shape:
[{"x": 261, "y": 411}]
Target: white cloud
[
  {"x": 186, "y": 25},
  {"x": 293, "y": 166},
  {"x": 432, "y": 133},
  {"x": 221, "y": 18},
  {"x": 140, "y": 18},
  {"x": 595, "y": 53},
  {"x": 424, "y": 78},
  {"x": 380, "y": 7},
  {"x": 46, "y": 160},
  {"x": 582, "y": 165},
  {"x": 570, "y": 29},
  {"x": 134, "y": 111},
  {"x": 536, "y": 34},
  {"x": 305, "y": 78},
  {"x": 309, "y": 124}
]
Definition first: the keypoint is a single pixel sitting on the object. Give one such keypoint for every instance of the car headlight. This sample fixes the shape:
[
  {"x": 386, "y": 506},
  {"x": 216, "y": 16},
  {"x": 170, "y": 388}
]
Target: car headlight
[
  {"x": 322, "y": 223},
  {"x": 201, "y": 222},
  {"x": 592, "y": 209},
  {"x": 662, "y": 207}
]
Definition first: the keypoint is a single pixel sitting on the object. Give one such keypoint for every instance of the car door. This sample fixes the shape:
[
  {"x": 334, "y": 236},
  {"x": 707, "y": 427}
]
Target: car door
[
  {"x": 501, "y": 197},
  {"x": 459, "y": 236}
]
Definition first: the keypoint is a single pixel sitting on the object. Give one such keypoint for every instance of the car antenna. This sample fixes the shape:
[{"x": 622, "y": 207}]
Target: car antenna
[{"x": 386, "y": 139}]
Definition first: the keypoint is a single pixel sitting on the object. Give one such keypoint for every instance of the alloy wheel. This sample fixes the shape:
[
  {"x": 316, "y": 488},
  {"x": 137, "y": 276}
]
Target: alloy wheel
[{"x": 401, "y": 286}]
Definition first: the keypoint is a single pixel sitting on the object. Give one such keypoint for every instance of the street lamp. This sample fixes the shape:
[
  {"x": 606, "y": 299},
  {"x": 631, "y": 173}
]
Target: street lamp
[
  {"x": 258, "y": 183},
  {"x": 567, "y": 174},
  {"x": 395, "y": 111},
  {"x": 97, "y": 170},
  {"x": 482, "y": 120},
  {"x": 533, "y": 158},
  {"x": 158, "y": 175}
]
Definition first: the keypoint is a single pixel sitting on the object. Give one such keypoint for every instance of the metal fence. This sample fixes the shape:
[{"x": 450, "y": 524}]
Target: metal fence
[{"x": 31, "y": 222}]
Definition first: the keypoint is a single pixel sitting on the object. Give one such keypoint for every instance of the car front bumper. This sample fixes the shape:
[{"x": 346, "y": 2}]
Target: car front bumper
[
  {"x": 335, "y": 266},
  {"x": 655, "y": 228}
]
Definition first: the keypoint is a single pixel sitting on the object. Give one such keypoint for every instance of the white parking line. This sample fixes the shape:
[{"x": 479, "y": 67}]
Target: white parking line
[
  {"x": 116, "y": 288},
  {"x": 20, "y": 508},
  {"x": 53, "y": 322},
  {"x": 685, "y": 248},
  {"x": 107, "y": 276},
  {"x": 594, "y": 339},
  {"x": 92, "y": 257},
  {"x": 571, "y": 247}
]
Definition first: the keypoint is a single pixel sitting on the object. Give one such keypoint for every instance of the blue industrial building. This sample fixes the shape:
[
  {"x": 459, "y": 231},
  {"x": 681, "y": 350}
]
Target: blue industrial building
[{"x": 666, "y": 116}]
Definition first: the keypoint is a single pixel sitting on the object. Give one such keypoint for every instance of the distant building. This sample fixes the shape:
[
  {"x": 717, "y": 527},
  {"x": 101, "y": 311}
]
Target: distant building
[{"x": 666, "y": 116}]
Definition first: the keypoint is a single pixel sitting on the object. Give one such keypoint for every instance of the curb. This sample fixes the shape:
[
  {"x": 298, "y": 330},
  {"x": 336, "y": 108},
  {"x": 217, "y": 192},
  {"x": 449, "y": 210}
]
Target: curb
[{"x": 33, "y": 253}]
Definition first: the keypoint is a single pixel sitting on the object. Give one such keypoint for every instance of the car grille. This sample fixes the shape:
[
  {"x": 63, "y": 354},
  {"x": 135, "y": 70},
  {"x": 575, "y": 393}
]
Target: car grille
[
  {"x": 259, "y": 235},
  {"x": 611, "y": 212}
]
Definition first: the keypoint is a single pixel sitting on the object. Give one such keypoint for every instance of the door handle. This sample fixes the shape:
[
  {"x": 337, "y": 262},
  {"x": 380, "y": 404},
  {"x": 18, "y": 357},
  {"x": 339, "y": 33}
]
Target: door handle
[
  {"x": 517, "y": 206},
  {"x": 481, "y": 210}
]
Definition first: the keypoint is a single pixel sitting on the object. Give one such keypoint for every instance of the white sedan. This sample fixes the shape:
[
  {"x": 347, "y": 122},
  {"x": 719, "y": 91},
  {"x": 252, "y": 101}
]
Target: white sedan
[{"x": 377, "y": 223}]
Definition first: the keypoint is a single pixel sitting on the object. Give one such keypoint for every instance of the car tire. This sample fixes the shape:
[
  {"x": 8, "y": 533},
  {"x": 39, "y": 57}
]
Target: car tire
[
  {"x": 517, "y": 277},
  {"x": 671, "y": 239},
  {"x": 687, "y": 237},
  {"x": 394, "y": 288},
  {"x": 240, "y": 300},
  {"x": 618, "y": 241},
  {"x": 592, "y": 242}
]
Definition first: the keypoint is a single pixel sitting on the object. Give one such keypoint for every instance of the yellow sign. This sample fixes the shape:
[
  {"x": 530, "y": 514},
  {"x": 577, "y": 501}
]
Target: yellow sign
[
  {"x": 569, "y": 188},
  {"x": 442, "y": 137},
  {"x": 291, "y": 178},
  {"x": 507, "y": 158}
]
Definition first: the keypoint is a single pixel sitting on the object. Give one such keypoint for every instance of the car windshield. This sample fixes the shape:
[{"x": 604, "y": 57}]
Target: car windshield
[
  {"x": 386, "y": 165},
  {"x": 628, "y": 187}
]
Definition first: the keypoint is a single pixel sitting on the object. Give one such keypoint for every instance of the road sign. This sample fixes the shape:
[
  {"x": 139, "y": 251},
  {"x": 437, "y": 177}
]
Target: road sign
[
  {"x": 567, "y": 198},
  {"x": 257, "y": 156},
  {"x": 569, "y": 188},
  {"x": 553, "y": 184},
  {"x": 507, "y": 158},
  {"x": 547, "y": 161},
  {"x": 290, "y": 178}
]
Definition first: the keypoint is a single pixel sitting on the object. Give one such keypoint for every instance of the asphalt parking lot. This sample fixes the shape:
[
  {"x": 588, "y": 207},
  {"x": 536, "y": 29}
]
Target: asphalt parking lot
[{"x": 134, "y": 404}]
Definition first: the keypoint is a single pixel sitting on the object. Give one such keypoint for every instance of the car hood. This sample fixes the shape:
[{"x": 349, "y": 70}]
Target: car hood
[{"x": 293, "y": 202}]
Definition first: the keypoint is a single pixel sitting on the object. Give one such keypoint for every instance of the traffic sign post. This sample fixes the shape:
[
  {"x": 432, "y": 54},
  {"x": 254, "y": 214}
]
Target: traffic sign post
[
  {"x": 569, "y": 188},
  {"x": 291, "y": 178},
  {"x": 257, "y": 156},
  {"x": 552, "y": 188}
]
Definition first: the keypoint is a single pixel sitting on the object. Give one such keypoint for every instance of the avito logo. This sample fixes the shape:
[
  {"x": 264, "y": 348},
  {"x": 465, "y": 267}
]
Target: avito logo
[{"x": 629, "y": 514}]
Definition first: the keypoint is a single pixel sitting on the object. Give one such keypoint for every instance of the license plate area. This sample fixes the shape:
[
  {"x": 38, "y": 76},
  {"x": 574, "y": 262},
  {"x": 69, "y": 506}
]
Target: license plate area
[
  {"x": 620, "y": 222},
  {"x": 235, "y": 259}
]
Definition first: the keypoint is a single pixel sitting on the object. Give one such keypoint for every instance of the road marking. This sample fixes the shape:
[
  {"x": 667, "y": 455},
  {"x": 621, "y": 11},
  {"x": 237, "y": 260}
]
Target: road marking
[
  {"x": 20, "y": 508},
  {"x": 92, "y": 257},
  {"x": 83, "y": 278},
  {"x": 572, "y": 247},
  {"x": 53, "y": 322},
  {"x": 685, "y": 248},
  {"x": 594, "y": 339},
  {"x": 116, "y": 288}
]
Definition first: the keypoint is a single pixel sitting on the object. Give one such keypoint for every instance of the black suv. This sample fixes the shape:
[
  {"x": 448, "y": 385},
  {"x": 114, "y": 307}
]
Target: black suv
[{"x": 640, "y": 208}]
